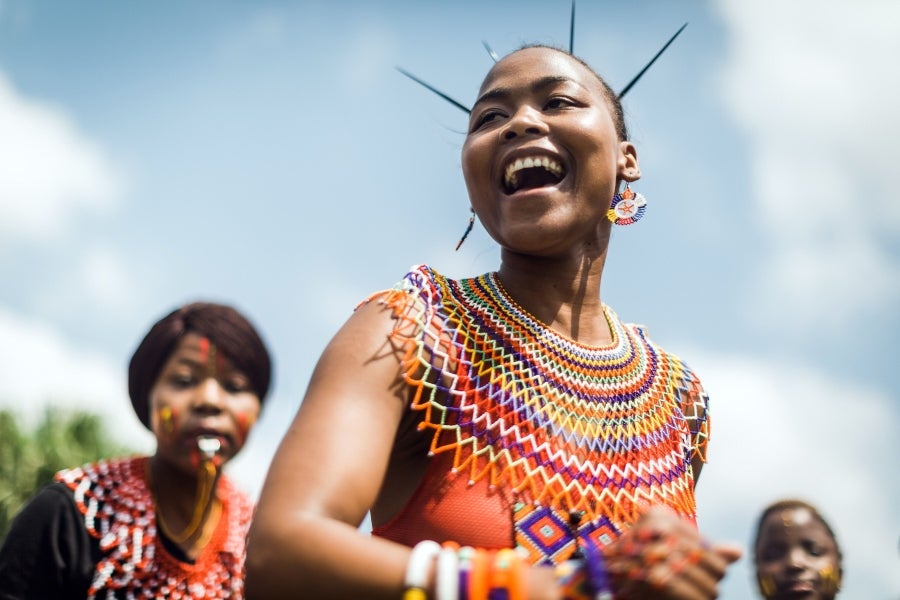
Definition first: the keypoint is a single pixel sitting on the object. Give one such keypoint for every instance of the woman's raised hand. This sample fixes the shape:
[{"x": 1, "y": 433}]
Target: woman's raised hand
[{"x": 663, "y": 556}]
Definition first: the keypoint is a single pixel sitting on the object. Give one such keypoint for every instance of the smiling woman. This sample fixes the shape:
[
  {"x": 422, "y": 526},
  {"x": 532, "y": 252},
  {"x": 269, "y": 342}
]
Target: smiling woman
[
  {"x": 509, "y": 435},
  {"x": 796, "y": 553},
  {"x": 169, "y": 525}
]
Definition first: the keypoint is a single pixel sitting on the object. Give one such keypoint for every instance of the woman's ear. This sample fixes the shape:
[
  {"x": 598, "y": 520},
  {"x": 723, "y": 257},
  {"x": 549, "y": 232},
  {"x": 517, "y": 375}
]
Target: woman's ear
[{"x": 629, "y": 169}]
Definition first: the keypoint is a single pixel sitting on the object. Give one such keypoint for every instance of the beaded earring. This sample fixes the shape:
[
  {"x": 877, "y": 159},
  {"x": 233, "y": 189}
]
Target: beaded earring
[
  {"x": 627, "y": 207},
  {"x": 468, "y": 228}
]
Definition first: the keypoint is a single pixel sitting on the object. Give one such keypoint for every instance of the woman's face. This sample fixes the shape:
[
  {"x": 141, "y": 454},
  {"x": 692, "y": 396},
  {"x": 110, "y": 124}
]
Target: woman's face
[
  {"x": 542, "y": 158},
  {"x": 200, "y": 394},
  {"x": 796, "y": 557}
]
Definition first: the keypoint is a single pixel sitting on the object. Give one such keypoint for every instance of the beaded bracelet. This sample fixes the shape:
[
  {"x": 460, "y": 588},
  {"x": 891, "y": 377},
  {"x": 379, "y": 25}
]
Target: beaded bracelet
[
  {"x": 507, "y": 576},
  {"x": 465, "y": 573},
  {"x": 479, "y": 574},
  {"x": 572, "y": 578},
  {"x": 465, "y": 555},
  {"x": 447, "y": 581},
  {"x": 416, "y": 580}
]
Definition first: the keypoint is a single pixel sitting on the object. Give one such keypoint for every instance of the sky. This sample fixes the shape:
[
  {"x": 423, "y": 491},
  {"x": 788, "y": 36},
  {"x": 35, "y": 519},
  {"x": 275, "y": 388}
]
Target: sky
[{"x": 269, "y": 155}]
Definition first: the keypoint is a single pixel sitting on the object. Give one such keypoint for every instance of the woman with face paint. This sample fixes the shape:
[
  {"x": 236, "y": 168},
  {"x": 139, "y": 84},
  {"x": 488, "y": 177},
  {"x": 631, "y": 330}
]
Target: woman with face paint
[
  {"x": 510, "y": 437},
  {"x": 796, "y": 553},
  {"x": 171, "y": 525}
]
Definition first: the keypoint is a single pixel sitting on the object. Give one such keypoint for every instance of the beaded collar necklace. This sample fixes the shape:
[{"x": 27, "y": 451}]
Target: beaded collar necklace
[
  {"x": 560, "y": 425},
  {"x": 525, "y": 320},
  {"x": 539, "y": 350}
]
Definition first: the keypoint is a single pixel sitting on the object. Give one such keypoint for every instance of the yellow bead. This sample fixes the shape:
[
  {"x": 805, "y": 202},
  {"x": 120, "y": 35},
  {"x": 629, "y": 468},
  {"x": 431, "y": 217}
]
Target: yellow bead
[{"x": 415, "y": 593}]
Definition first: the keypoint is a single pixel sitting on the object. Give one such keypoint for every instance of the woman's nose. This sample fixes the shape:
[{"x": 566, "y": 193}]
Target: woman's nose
[
  {"x": 209, "y": 395},
  {"x": 525, "y": 121},
  {"x": 797, "y": 558}
]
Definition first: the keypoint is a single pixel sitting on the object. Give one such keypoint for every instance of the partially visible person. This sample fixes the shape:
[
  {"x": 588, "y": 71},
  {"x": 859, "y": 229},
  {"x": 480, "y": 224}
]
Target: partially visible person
[
  {"x": 170, "y": 525},
  {"x": 796, "y": 553}
]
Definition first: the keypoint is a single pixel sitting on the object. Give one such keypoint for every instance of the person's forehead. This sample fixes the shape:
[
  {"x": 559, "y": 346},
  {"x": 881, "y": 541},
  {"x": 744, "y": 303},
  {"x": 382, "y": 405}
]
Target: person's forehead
[
  {"x": 191, "y": 341},
  {"x": 796, "y": 516},
  {"x": 194, "y": 347},
  {"x": 790, "y": 520},
  {"x": 535, "y": 63}
]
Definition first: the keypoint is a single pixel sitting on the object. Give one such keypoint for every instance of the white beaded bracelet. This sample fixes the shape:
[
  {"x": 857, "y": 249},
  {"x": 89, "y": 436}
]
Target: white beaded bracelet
[
  {"x": 420, "y": 559},
  {"x": 447, "y": 584}
]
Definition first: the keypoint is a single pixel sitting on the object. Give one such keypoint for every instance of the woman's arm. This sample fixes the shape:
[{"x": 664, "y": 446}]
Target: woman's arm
[{"x": 327, "y": 473}]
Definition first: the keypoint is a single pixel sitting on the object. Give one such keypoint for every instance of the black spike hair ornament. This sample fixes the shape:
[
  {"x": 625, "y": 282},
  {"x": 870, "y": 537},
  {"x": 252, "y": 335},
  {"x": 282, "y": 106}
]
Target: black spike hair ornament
[
  {"x": 428, "y": 86},
  {"x": 496, "y": 58},
  {"x": 490, "y": 51},
  {"x": 572, "y": 30},
  {"x": 652, "y": 60}
]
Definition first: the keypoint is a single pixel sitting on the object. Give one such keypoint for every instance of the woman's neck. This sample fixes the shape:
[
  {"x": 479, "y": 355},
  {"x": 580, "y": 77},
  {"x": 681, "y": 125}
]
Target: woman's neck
[
  {"x": 564, "y": 294},
  {"x": 181, "y": 499}
]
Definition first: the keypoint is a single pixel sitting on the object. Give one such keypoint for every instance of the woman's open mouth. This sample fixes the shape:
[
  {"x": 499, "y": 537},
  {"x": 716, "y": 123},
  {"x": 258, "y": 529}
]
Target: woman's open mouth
[{"x": 532, "y": 172}]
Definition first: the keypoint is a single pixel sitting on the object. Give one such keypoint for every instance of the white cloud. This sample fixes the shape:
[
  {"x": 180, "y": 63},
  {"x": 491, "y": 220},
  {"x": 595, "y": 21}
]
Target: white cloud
[
  {"x": 780, "y": 429},
  {"x": 42, "y": 368},
  {"x": 51, "y": 170},
  {"x": 813, "y": 85}
]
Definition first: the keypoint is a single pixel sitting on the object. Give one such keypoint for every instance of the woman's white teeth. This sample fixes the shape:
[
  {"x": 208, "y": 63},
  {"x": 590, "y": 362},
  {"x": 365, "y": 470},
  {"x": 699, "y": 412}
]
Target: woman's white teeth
[{"x": 530, "y": 162}]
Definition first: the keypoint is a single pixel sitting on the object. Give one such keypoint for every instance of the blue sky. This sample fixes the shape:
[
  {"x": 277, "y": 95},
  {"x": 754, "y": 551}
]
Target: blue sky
[{"x": 269, "y": 155}]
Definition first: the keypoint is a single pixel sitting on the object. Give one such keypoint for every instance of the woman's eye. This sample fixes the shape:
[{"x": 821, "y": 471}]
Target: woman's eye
[
  {"x": 235, "y": 386},
  {"x": 182, "y": 381},
  {"x": 815, "y": 550},
  {"x": 554, "y": 103},
  {"x": 486, "y": 118}
]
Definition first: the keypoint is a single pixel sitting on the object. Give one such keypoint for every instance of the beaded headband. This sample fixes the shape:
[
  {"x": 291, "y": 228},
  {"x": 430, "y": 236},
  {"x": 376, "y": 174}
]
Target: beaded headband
[{"x": 496, "y": 58}]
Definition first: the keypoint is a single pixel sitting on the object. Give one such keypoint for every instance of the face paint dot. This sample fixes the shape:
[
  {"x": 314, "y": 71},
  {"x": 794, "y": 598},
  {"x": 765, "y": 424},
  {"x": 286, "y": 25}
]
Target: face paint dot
[{"x": 799, "y": 516}]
